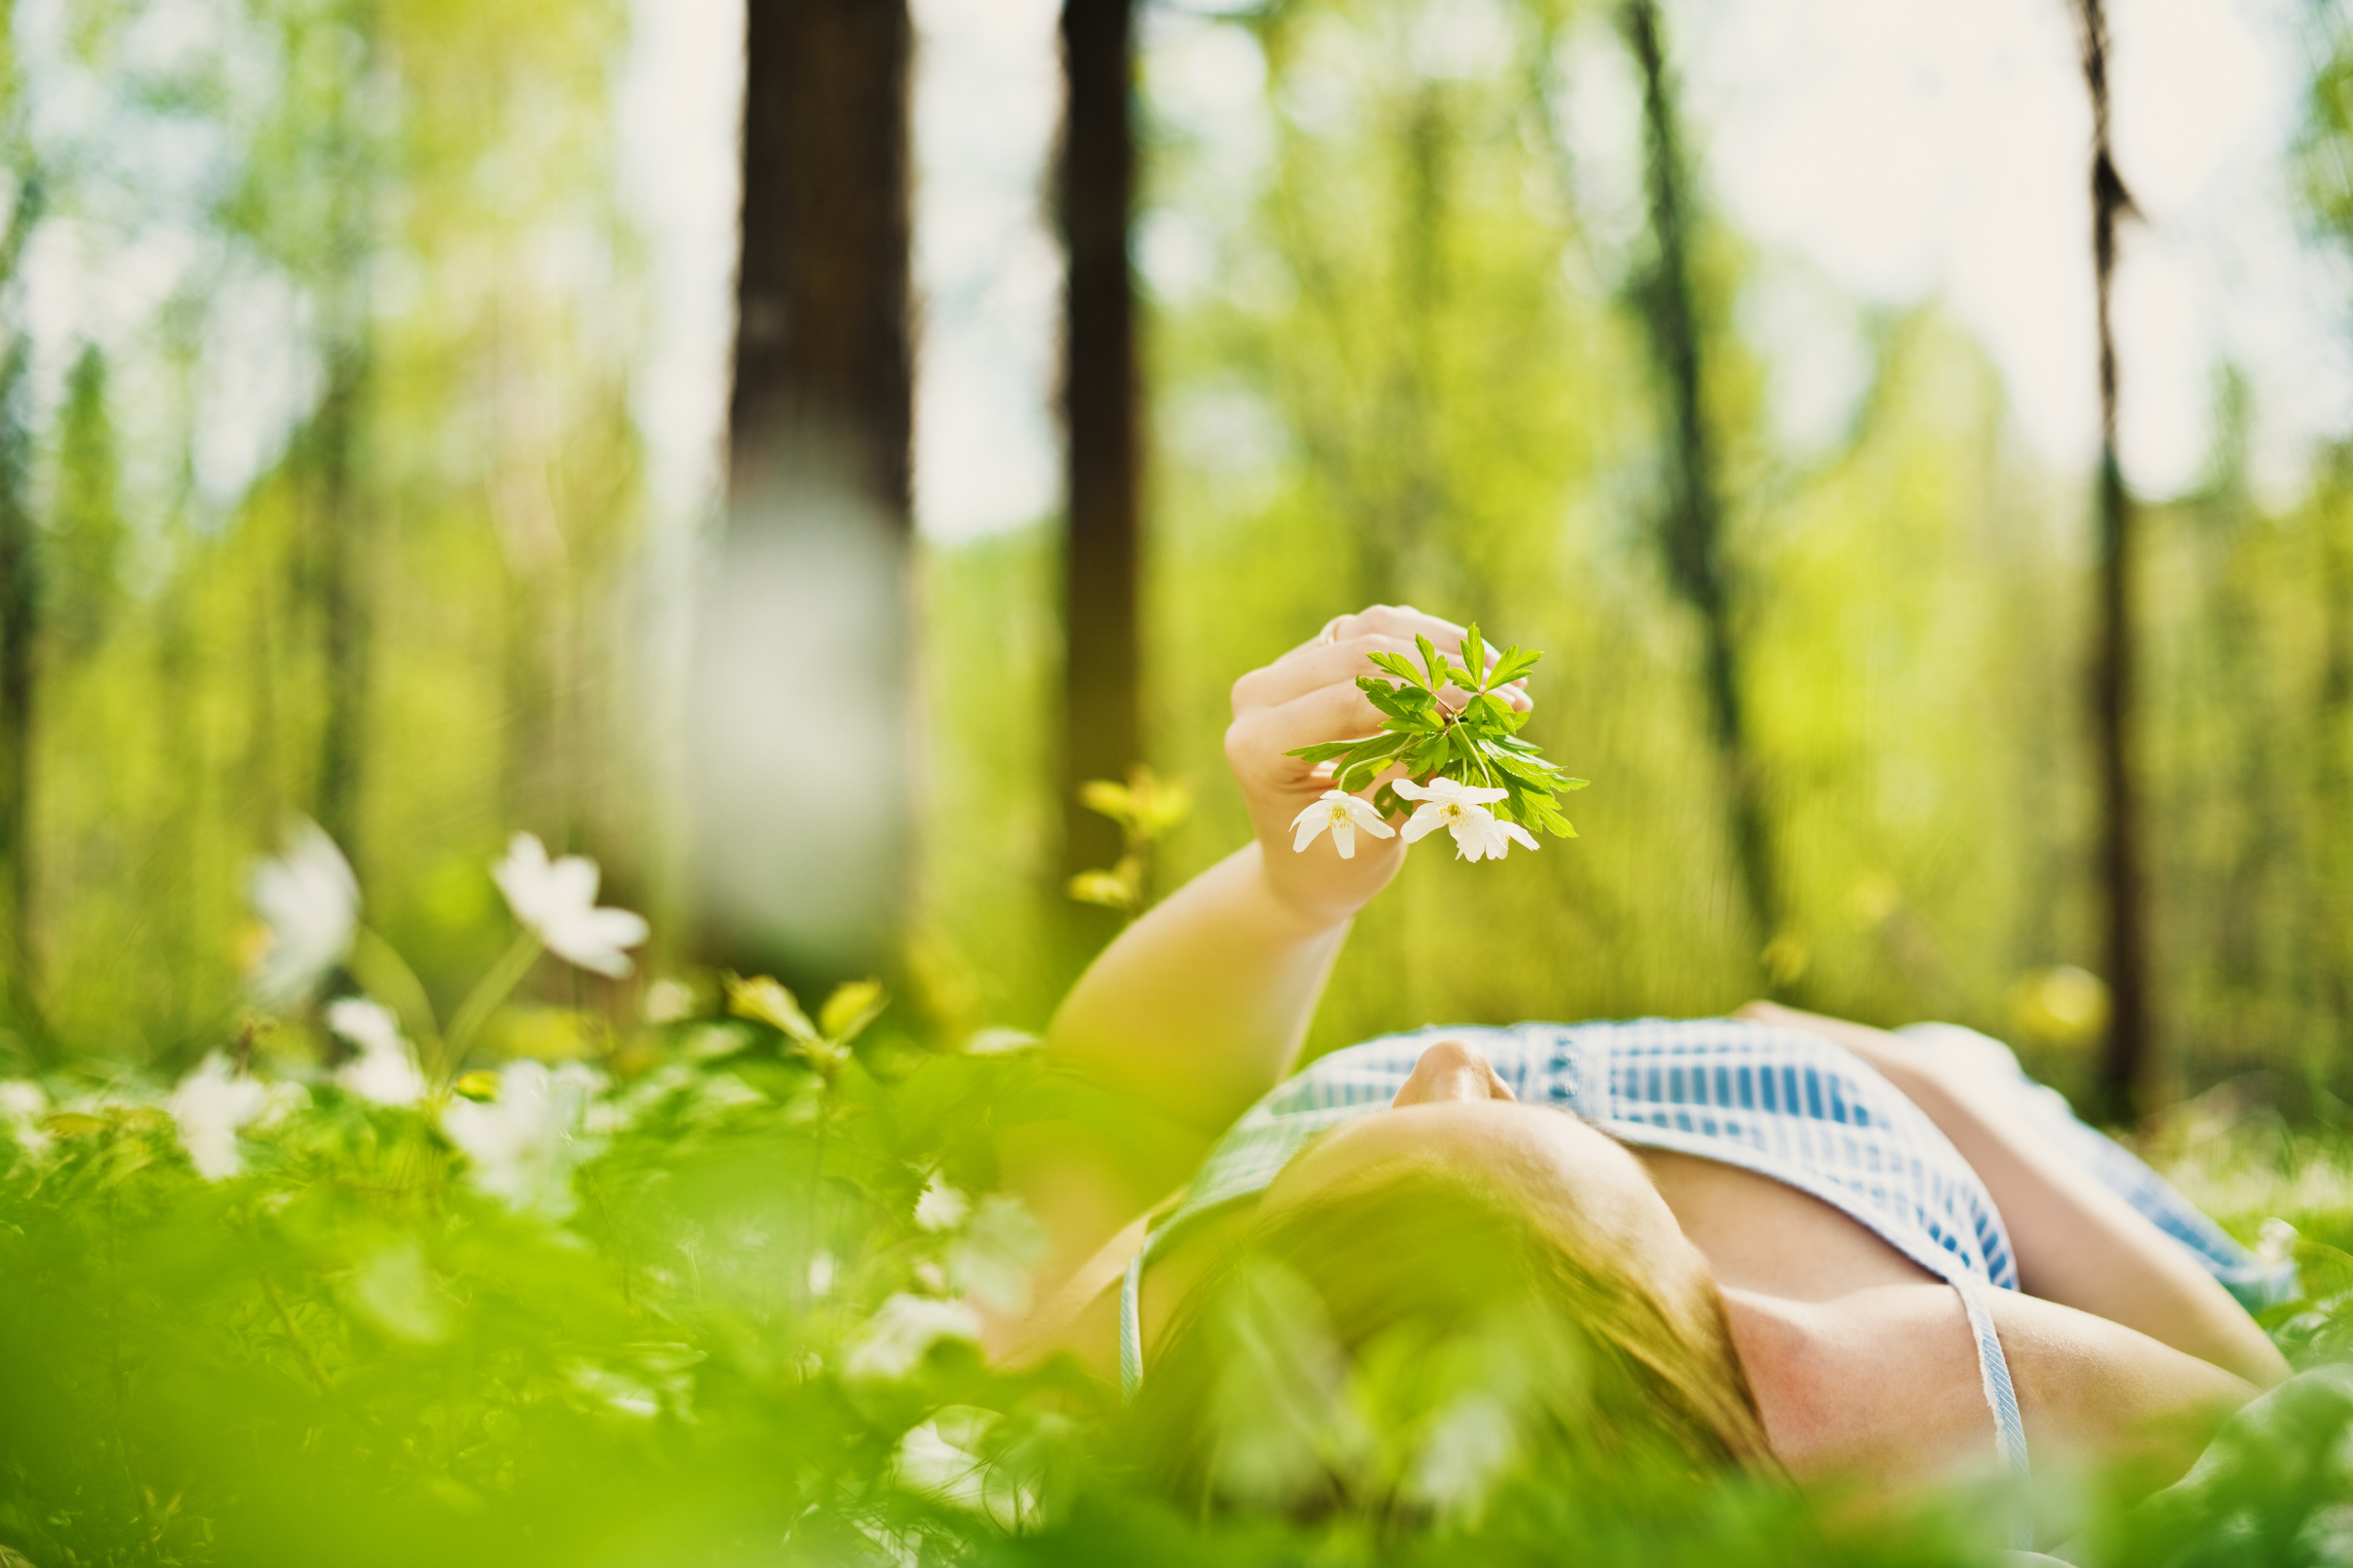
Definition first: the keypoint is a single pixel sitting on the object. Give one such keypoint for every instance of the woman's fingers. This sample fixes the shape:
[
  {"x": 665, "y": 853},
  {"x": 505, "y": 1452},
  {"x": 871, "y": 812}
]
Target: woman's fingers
[
  {"x": 1259, "y": 738},
  {"x": 1305, "y": 670},
  {"x": 1383, "y": 620},
  {"x": 1323, "y": 660},
  {"x": 1407, "y": 622}
]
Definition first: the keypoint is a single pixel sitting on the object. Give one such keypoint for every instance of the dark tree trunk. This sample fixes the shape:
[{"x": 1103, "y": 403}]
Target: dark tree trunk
[
  {"x": 2330, "y": 882},
  {"x": 2124, "y": 1063},
  {"x": 802, "y": 696},
  {"x": 822, "y": 342},
  {"x": 20, "y": 641},
  {"x": 1102, "y": 731},
  {"x": 345, "y": 562},
  {"x": 342, "y": 586},
  {"x": 1693, "y": 524}
]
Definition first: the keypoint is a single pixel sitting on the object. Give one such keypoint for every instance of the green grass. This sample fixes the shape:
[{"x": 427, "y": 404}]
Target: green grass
[{"x": 685, "y": 1350}]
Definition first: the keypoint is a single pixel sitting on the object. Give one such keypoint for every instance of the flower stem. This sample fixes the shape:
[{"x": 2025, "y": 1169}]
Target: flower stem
[
  {"x": 385, "y": 975},
  {"x": 488, "y": 992}
]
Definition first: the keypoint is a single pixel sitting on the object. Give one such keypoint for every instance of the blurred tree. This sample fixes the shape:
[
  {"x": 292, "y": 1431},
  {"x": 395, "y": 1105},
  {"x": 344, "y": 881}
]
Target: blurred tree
[
  {"x": 2327, "y": 945},
  {"x": 83, "y": 573},
  {"x": 333, "y": 54},
  {"x": 803, "y": 695},
  {"x": 19, "y": 620},
  {"x": 1102, "y": 723},
  {"x": 345, "y": 559},
  {"x": 2124, "y": 1064},
  {"x": 1693, "y": 520}
]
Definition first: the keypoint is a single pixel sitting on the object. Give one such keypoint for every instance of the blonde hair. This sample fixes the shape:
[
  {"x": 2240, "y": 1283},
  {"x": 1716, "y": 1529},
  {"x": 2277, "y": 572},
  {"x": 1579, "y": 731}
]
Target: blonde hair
[{"x": 1398, "y": 1343}]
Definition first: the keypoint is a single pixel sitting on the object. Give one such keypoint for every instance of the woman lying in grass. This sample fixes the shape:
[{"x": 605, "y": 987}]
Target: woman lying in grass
[{"x": 1775, "y": 1241}]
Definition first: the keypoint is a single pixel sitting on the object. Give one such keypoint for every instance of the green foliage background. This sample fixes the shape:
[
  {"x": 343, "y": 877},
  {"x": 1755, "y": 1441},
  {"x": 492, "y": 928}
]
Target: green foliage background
[{"x": 1414, "y": 375}]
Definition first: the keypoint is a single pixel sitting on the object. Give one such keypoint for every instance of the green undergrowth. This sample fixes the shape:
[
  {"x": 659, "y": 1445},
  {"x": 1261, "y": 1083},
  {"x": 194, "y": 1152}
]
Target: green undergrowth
[{"x": 699, "y": 1303}]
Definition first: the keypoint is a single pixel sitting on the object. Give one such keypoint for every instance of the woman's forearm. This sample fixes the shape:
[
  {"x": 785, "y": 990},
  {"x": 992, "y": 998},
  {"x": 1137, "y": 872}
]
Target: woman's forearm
[{"x": 1199, "y": 1007}]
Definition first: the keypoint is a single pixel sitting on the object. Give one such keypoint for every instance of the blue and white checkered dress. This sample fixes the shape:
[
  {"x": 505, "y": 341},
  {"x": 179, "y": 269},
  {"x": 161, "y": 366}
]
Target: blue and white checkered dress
[{"x": 1782, "y": 1103}]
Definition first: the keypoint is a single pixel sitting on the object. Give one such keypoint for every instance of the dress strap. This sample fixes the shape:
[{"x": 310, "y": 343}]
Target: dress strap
[
  {"x": 1131, "y": 1330},
  {"x": 2009, "y": 1431}
]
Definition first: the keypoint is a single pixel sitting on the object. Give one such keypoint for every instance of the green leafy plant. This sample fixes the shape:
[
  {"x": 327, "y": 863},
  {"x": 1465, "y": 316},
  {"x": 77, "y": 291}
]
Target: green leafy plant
[
  {"x": 1450, "y": 719},
  {"x": 1146, "y": 808}
]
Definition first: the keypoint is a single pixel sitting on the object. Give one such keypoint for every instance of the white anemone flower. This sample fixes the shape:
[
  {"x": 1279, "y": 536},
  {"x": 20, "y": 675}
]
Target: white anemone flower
[
  {"x": 22, "y": 1105},
  {"x": 1479, "y": 835},
  {"x": 525, "y": 1144},
  {"x": 209, "y": 1105},
  {"x": 942, "y": 1207},
  {"x": 557, "y": 900},
  {"x": 903, "y": 1333},
  {"x": 386, "y": 1068},
  {"x": 1344, "y": 813},
  {"x": 309, "y": 902}
]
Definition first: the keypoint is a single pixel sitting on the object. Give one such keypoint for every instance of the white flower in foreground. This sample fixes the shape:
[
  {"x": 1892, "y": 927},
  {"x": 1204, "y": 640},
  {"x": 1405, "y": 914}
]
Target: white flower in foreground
[
  {"x": 1344, "y": 813},
  {"x": 1000, "y": 1042},
  {"x": 992, "y": 1260},
  {"x": 210, "y": 1104},
  {"x": 309, "y": 902},
  {"x": 386, "y": 1070},
  {"x": 23, "y": 1104},
  {"x": 942, "y": 1207},
  {"x": 667, "y": 1001},
  {"x": 931, "y": 1461},
  {"x": 1462, "y": 811},
  {"x": 904, "y": 1331},
  {"x": 557, "y": 900},
  {"x": 525, "y": 1144}
]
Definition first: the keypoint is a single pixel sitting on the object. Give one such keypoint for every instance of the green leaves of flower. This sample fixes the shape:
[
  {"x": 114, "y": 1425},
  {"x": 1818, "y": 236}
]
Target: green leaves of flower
[{"x": 1476, "y": 743}]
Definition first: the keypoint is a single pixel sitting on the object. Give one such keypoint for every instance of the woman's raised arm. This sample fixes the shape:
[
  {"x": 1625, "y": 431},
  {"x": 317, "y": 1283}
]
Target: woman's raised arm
[{"x": 1200, "y": 1006}]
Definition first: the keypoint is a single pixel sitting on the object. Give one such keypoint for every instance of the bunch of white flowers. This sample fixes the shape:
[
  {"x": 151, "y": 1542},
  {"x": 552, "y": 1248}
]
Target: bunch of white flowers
[
  {"x": 1459, "y": 716},
  {"x": 525, "y": 1143},
  {"x": 1478, "y": 834}
]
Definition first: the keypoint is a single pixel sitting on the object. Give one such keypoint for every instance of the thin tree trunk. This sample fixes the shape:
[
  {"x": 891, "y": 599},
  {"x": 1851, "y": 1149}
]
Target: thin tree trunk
[
  {"x": 345, "y": 542},
  {"x": 343, "y": 599},
  {"x": 803, "y": 697},
  {"x": 1693, "y": 524},
  {"x": 19, "y": 640},
  {"x": 2326, "y": 959},
  {"x": 2124, "y": 1063},
  {"x": 1103, "y": 727}
]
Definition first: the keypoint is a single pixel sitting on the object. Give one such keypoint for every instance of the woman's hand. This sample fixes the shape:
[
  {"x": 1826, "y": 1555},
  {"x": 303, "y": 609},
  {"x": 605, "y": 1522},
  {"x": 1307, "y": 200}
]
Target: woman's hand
[{"x": 1307, "y": 697}]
